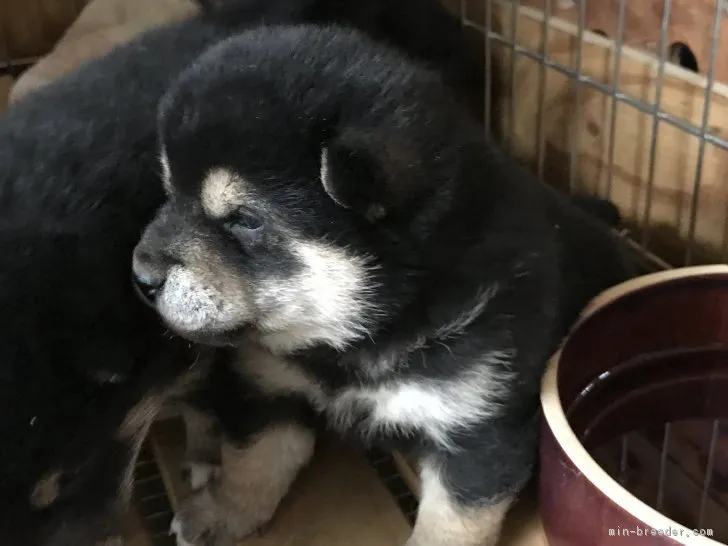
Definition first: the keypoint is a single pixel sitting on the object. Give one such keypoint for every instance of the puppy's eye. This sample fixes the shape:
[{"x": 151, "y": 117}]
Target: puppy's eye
[{"x": 246, "y": 221}]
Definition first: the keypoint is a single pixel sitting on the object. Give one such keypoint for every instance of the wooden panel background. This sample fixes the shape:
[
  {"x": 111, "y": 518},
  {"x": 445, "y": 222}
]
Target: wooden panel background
[
  {"x": 30, "y": 28},
  {"x": 690, "y": 22},
  {"x": 585, "y": 128}
]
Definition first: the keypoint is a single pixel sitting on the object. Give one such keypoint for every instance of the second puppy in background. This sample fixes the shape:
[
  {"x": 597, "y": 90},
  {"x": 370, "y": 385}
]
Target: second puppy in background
[
  {"x": 339, "y": 221},
  {"x": 423, "y": 29}
]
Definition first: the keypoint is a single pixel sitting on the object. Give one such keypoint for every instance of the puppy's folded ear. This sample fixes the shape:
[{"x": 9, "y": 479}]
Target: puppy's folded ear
[{"x": 371, "y": 171}]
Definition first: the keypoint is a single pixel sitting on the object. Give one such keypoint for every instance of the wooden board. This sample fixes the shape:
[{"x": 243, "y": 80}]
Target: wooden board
[
  {"x": 337, "y": 500},
  {"x": 690, "y": 22},
  {"x": 585, "y": 130},
  {"x": 30, "y": 28}
]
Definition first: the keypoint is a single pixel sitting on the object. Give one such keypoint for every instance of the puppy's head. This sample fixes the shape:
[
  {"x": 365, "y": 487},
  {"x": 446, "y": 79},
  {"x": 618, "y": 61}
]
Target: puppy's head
[
  {"x": 305, "y": 175},
  {"x": 77, "y": 391}
]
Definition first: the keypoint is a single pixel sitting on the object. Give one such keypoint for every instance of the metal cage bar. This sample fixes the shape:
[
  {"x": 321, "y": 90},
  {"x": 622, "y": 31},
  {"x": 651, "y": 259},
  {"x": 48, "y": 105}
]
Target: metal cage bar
[
  {"x": 651, "y": 164},
  {"x": 638, "y": 104},
  {"x": 707, "y": 104},
  {"x": 619, "y": 40}
]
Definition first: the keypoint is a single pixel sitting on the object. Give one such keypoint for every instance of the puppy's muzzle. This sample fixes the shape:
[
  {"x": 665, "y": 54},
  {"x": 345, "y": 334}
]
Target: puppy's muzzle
[{"x": 148, "y": 281}]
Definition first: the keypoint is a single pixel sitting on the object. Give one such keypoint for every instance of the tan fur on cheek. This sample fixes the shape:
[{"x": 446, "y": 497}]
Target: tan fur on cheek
[
  {"x": 46, "y": 490},
  {"x": 329, "y": 301}
]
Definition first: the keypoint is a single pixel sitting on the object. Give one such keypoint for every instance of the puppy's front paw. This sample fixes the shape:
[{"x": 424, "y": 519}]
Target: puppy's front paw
[{"x": 201, "y": 521}]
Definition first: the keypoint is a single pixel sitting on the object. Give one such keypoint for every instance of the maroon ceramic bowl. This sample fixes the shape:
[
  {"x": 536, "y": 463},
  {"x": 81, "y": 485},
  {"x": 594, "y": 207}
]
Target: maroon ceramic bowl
[{"x": 633, "y": 450}]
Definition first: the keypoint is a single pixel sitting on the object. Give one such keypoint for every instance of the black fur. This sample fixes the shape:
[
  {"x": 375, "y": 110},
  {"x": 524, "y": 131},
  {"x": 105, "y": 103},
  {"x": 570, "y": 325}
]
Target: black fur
[
  {"x": 423, "y": 28},
  {"x": 605, "y": 210},
  {"x": 78, "y": 181},
  {"x": 413, "y": 183}
]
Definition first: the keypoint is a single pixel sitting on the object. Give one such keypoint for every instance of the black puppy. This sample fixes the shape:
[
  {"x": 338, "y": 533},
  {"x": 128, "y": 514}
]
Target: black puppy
[
  {"x": 78, "y": 180},
  {"x": 335, "y": 216},
  {"x": 422, "y": 28},
  {"x": 84, "y": 366}
]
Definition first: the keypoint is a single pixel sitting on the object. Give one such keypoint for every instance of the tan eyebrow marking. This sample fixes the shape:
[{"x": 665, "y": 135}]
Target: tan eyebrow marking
[{"x": 222, "y": 192}]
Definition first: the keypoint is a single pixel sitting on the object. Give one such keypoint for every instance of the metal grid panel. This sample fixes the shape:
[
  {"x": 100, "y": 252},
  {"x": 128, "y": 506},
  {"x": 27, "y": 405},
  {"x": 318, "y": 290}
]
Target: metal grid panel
[{"x": 482, "y": 20}]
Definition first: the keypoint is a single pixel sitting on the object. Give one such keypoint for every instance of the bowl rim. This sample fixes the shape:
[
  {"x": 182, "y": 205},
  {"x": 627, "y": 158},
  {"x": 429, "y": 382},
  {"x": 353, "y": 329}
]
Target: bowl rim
[{"x": 563, "y": 434}]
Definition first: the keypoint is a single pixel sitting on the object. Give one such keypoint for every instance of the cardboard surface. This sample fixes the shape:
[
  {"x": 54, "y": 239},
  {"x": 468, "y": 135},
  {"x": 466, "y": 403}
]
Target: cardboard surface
[
  {"x": 523, "y": 525},
  {"x": 338, "y": 499}
]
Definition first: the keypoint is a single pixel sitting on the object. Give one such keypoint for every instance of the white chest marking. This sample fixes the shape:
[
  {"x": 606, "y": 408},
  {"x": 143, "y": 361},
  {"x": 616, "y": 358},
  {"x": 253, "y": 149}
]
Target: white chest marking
[{"x": 431, "y": 406}]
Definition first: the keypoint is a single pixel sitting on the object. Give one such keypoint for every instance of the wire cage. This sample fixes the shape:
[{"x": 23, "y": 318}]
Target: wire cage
[
  {"x": 628, "y": 101},
  {"x": 624, "y": 100},
  {"x": 621, "y": 100}
]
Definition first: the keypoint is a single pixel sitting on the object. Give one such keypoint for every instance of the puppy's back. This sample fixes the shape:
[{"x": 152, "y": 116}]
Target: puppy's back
[{"x": 423, "y": 29}]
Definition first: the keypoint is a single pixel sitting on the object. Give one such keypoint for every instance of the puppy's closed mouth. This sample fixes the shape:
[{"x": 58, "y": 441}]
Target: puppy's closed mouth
[
  {"x": 141, "y": 294},
  {"x": 218, "y": 338}
]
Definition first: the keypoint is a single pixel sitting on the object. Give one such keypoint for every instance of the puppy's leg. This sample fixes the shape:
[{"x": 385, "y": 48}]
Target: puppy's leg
[
  {"x": 467, "y": 491},
  {"x": 444, "y": 520},
  {"x": 255, "y": 476},
  {"x": 204, "y": 444}
]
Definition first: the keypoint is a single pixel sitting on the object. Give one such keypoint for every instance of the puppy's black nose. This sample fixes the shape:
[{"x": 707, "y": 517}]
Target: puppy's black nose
[
  {"x": 146, "y": 276},
  {"x": 147, "y": 288}
]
